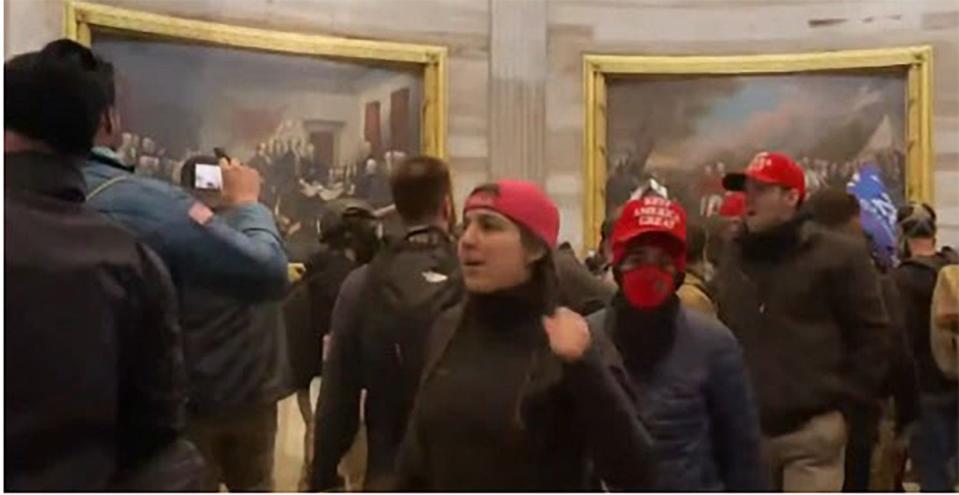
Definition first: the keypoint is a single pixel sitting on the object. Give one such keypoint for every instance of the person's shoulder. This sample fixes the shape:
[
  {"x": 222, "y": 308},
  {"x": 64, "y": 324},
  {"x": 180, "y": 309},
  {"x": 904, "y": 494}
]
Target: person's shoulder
[
  {"x": 357, "y": 276},
  {"x": 597, "y": 320},
  {"x": 829, "y": 240},
  {"x": 137, "y": 190},
  {"x": 353, "y": 284},
  {"x": 707, "y": 329}
]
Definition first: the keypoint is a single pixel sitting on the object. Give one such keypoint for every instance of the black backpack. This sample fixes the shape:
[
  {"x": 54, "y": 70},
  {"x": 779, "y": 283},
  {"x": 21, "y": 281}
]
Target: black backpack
[{"x": 409, "y": 284}]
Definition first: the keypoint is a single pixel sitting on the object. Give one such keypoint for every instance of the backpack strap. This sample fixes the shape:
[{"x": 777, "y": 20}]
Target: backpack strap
[
  {"x": 106, "y": 185},
  {"x": 926, "y": 263}
]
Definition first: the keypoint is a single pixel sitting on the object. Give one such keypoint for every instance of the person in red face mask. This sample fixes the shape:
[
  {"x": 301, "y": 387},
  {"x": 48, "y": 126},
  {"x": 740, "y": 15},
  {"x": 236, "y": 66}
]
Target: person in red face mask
[{"x": 687, "y": 369}]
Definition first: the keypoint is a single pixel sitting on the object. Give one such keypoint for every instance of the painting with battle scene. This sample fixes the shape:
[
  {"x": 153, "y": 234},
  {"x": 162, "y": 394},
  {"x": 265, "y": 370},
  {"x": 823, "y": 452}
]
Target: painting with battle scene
[{"x": 687, "y": 132}]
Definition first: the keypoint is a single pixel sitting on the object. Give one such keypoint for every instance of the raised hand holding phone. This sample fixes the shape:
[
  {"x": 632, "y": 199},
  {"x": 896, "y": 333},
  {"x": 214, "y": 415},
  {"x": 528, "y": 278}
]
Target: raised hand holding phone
[{"x": 241, "y": 184}]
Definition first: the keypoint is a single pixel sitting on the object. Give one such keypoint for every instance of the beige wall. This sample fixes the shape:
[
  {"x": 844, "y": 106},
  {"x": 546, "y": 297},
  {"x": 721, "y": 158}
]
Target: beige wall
[{"x": 515, "y": 65}]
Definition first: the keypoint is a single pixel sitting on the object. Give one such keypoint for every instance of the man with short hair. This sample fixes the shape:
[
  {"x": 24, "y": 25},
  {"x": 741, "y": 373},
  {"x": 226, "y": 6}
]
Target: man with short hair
[
  {"x": 409, "y": 283},
  {"x": 839, "y": 211},
  {"x": 806, "y": 306},
  {"x": 933, "y": 446},
  {"x": 234, "y": 254},
  {"x": 94, "y": 386},
  {"x": 237, "y": 252}
]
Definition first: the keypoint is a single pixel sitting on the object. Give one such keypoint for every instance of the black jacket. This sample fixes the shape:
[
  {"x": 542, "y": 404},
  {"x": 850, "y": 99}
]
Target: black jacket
[
  {"x": 580, "y": 290},
  {"x": 806, "y": 306},
  {"x": 93, "y": 359},
  {"x": 916, "y": 279},
  {"x": 901, "y": 381},
  {"x": 497, "y": 410},
  {"x": 356, "y": 362},
  {"x": 377, "y": 339}
]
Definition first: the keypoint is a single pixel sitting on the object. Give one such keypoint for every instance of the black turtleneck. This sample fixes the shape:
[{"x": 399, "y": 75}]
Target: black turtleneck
[
  {"x": 644, "y": 338},
  {"x": 774, "y": 243},
  {"x": 472, "y": 406}
]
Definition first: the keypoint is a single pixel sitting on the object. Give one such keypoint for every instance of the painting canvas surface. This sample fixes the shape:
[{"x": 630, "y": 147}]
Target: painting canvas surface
[
  {"x": 316, "y": 129},
  {"x": 686, "y": 132}
]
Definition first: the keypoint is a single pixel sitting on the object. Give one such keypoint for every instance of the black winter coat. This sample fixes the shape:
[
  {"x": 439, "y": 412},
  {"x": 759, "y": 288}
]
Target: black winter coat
[
  {"x": 916, "y": 279},
  {"x": 497, "y": 411},
  {"x": 807, "y": 310},
  {"x": 93, "y": 359}
]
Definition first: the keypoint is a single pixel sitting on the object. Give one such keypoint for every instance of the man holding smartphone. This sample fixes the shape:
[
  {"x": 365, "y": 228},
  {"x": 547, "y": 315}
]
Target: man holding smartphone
[
  {"x": 237, "y": 361},
  {"x": 238, "y": 252},
  {"x": 233, "y": 254}
]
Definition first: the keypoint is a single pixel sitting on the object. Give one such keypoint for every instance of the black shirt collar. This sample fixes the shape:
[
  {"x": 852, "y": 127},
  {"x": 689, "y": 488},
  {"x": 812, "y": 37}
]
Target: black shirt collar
[{"x": 46, "y": 174}]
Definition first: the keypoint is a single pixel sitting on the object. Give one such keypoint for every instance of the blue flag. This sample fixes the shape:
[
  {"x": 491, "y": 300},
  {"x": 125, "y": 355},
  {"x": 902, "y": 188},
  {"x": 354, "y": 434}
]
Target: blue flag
[{"x": 878, "y": 214}]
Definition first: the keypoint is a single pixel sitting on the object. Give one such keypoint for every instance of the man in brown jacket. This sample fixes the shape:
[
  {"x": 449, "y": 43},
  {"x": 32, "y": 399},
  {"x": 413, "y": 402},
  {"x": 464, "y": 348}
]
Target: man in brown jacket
[{"x": 806, "y": 306}]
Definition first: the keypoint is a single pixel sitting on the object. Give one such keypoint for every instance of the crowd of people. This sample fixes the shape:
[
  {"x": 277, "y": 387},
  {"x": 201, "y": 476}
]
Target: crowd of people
[
  {"x": 298, "y": 184},
  {"x": 704, "y": 194},
  {"x": 152, "y": 327}
]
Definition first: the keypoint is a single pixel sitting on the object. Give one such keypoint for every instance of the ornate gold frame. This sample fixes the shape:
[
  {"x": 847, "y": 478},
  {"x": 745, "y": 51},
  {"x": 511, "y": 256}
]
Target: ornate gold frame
[
  {"x": 82, "y": 17},
  {"x": 916, "y": 60}
]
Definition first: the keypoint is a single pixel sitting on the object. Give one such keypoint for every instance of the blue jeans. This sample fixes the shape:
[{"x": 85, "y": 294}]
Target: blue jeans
[{"x": 933, "y": 446}]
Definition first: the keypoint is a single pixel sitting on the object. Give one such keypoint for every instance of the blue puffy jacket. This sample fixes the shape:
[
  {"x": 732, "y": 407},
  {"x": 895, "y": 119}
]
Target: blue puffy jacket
[
  {"x": 698, "y": 407},
  {"x": 237, "y": 253}
]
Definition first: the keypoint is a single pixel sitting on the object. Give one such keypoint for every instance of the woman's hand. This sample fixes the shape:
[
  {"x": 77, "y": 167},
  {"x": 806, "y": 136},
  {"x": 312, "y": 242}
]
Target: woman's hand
[{"x": 568, "y": 333}]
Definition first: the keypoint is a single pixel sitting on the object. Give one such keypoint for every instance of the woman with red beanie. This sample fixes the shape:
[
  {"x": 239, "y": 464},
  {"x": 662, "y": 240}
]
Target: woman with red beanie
[
  {"x": 694, "y": 394},
  {"x": 516, "y": 394}
]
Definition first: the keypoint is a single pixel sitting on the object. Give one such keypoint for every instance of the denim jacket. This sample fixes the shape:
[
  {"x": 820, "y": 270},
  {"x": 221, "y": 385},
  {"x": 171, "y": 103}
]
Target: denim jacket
[{"x": 237, "y": 253}]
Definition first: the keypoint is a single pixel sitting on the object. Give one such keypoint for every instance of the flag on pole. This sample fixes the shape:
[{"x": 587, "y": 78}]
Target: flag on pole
[{"x": 878, "y": 215}]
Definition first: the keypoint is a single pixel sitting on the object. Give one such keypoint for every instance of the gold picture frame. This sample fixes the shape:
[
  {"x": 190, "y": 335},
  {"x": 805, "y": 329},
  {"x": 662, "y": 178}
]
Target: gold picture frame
[
  {"x": 915, "y": 60},
  {"x": 82, "y": 18}
]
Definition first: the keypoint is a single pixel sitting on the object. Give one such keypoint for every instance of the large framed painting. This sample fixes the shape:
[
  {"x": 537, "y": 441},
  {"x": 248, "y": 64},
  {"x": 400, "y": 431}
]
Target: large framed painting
[
  {"x": 320, "y": 117},
  {"x": 681, "y": 122}
]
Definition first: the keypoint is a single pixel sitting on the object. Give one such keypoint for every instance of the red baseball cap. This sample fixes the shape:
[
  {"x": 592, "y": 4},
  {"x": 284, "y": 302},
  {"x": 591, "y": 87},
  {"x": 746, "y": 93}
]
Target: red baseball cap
[
  {"x": 771, "y": 168},
  {"x": 733, "y": 205},
  {"x": 656, "y": 217},
  {"x": 522, "y": 202}
]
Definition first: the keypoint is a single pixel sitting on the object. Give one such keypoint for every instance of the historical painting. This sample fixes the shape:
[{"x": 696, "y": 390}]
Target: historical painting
[
  {"x": 680, "y": 133},
  {"x": 688, "y": 132},
  {"x": 316, "y": 128}
]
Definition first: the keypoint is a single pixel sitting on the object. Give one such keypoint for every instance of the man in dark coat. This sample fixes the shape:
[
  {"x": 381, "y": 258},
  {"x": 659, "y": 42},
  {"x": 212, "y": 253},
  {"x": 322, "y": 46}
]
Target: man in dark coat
[
  {"x": 360, "y": 349},
  {"x": 807, "y": 308},
  {"x": 686, "y": 367},
  {"x": 94, "y": 363},
  {"x": 838, "y": 210},
  {"x": 933, "y": 445}
]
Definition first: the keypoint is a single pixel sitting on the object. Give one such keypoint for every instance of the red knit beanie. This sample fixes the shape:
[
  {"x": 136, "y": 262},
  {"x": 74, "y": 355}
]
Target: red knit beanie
[{"x": 522, "y": 202}]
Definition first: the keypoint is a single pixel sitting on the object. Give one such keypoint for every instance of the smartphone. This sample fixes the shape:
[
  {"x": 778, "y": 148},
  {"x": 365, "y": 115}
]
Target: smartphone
[
  {"x": 221, "y": 154},
  {"x": 209, "y": 177}
]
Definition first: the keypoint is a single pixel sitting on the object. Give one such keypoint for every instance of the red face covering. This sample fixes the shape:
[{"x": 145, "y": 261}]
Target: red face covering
[{"x": 647, "y": 287}]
